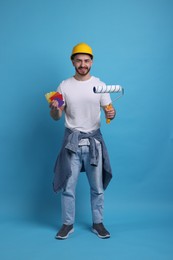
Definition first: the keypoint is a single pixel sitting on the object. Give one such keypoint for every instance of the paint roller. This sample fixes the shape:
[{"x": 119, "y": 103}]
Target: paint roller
[{"x": 109, "y": 89}]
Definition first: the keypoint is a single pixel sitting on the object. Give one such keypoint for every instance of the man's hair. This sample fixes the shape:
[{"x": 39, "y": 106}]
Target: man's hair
[{"x": 72, "y": 56}]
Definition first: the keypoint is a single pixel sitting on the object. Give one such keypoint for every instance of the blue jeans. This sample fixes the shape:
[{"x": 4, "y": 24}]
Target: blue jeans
[{"x": 94, "y": 175}]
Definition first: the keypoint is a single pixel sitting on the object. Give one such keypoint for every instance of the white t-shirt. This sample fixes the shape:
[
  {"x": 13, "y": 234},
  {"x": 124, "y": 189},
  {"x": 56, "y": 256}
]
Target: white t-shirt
[{"x": 82, "y": 105}]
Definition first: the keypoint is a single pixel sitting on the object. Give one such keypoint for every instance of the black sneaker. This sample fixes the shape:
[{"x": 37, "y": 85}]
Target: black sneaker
[
  {"x": 64, "y": 232},
  {"x": 100, "y": 230}
]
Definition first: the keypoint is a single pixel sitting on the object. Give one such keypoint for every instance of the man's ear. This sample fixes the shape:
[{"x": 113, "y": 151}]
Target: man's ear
[{"x": 72, "y": 62}]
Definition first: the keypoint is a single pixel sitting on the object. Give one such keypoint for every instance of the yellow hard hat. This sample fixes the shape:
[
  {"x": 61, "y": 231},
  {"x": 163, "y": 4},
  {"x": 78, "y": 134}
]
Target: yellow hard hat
[{"x": 82, "y": 48}]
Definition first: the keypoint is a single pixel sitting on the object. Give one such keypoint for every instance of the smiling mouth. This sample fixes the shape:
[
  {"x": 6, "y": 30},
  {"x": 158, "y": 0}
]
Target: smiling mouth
[{"x": 83, "y": 68}]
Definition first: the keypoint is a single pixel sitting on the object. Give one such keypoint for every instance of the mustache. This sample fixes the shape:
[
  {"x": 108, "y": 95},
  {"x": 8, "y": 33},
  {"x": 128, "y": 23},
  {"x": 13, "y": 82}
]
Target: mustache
[{"x": 83, "y": 67}]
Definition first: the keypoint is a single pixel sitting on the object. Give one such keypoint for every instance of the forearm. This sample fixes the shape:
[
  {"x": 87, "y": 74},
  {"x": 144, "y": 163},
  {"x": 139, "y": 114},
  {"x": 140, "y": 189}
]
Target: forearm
[{"x": 56, "y": 113}]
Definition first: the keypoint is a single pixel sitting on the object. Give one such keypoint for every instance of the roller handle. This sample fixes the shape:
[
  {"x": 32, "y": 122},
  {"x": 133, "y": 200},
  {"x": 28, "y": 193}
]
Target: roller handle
[{"x": 108, "y": 120}]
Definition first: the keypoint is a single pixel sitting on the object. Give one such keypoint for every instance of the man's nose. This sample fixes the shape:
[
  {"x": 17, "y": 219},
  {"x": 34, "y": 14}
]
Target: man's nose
[{"x": 82, "y": 63}]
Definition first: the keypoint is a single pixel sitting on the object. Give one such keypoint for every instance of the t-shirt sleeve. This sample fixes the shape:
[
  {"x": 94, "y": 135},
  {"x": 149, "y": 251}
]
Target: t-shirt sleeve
[
  {"x": 105, "y": 99},
  {"x": 60, "y": 90}
]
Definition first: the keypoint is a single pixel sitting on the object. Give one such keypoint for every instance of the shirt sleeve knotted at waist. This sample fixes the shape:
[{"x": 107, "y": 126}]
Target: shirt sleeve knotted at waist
[{"x": 73, "y": 141}]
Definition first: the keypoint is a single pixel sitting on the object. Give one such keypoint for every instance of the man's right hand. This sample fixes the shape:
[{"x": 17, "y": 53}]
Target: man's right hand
[
  {"x": 54, "y": 105},
  {"x": 55, "y": 111}
]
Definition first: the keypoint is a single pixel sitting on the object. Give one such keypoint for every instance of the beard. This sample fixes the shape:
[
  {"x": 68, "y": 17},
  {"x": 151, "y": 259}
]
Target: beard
[{"x": 82, "y": 71}]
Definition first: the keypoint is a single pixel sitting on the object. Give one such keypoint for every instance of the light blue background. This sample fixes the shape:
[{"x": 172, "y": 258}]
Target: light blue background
[{"x": 132, "y": 43}]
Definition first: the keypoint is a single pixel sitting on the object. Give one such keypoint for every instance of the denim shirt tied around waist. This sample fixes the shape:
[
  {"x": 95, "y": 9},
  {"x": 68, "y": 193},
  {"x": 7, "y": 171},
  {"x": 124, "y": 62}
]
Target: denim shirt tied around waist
[{"x": 70, "y": 144}]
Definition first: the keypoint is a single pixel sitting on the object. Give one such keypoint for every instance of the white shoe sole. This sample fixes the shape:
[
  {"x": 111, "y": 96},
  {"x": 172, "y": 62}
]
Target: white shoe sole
[
  {"x": 95, "y": 231},
  {"x": 59, "y": 237}
]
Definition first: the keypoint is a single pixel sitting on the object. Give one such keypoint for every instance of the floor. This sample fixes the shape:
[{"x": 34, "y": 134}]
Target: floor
[{"x": 135, "y": 235}]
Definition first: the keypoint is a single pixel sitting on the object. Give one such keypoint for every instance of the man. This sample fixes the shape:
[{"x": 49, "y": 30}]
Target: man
[{"x": 83, "y": 147}]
